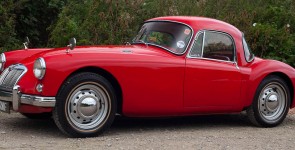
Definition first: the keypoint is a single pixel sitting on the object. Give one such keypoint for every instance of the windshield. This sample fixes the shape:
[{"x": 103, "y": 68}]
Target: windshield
[{"x": 171, "y": 36}]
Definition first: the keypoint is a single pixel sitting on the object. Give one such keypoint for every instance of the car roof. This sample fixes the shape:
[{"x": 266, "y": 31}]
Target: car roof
[{"x": 202, "y": 23}]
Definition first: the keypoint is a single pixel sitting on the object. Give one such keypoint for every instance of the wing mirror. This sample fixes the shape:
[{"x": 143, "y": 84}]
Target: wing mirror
[
  {"x": 26, "y": 43},
  {"x": 72, "y": 44}
]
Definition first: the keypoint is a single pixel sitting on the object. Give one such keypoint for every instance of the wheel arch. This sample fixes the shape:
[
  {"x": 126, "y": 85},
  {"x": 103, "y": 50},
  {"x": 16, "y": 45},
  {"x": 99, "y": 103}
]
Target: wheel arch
[
  {"x": 106, "y": 74},
  {"x": 257, "y": 79},
  {"x": 288, "y": 80},
  {"x": 259, "y": 112}
]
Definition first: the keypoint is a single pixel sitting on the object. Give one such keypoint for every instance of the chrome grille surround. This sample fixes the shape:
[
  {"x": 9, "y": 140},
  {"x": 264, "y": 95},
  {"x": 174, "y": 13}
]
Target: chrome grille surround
[{"x": 11, "y": 75}]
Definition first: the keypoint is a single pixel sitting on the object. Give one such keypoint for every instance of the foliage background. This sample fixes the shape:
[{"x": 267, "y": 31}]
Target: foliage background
[{"x": 50, "y": 23}]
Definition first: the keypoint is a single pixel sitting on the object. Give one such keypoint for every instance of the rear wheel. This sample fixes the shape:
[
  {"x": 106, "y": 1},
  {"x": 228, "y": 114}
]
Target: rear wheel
[
  {"x": 271, "y": 103},
  {"x": 86, "y": 105}
]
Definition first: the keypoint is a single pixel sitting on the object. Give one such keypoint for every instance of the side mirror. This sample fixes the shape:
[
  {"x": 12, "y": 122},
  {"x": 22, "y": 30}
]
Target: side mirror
[
  {"x": 26, "y": 43},
  {"x": 72, "y": 44}
]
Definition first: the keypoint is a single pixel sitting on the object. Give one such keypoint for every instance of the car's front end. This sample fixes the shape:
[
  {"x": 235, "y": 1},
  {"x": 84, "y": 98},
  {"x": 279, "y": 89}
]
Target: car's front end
[{"x": 11, "y": 94}]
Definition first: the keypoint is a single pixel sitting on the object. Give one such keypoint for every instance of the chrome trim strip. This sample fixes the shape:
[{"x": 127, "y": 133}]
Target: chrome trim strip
[
  {"x": 13, "y": 67},
  {"x": 38, "y": 100},
  {"x": 3, "y": 75},
  {"x": 16, "y": 98},
  {"x": 20, "y": 67},
  {"x": 43, "y": 67},
  {"x": 203, "y": 43},
  {"x": 3, "y": 61},
  {"x": 217, "y": 60},
  {"x": 188, "y": 44}
]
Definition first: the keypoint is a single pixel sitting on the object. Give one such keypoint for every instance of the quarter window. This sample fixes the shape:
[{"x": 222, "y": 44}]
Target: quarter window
[
  {"x": 248, "y": 53},
  {"x": 197, "y": 47}
]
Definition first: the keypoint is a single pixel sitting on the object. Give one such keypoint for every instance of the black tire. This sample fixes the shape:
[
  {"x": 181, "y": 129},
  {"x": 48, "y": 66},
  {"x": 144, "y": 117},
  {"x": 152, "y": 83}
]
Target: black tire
[
  {"x": 40, "y": 116},
  {"x": 271, "y": 102},
  {"x": 86, "y": 105}
]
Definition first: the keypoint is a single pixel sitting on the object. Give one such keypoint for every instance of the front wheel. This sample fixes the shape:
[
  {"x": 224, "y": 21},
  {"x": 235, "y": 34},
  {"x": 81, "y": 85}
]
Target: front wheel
[
  {"x": 271, "y": 102},
  {"x": 86, "y": 105}
]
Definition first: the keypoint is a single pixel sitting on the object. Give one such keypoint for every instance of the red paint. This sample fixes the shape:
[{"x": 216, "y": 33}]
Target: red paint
[
  {"x": 156, "y": 82},
  {"x": 16, "y": 56},
  {"x": 221, "y": 81}
]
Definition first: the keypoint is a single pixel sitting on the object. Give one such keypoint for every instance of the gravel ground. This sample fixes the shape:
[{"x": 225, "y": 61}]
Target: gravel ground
[{"x": 199, "y": 132}]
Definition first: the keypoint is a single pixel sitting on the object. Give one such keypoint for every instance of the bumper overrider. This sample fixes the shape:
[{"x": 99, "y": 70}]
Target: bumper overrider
[{"x": 10, "y": 92}]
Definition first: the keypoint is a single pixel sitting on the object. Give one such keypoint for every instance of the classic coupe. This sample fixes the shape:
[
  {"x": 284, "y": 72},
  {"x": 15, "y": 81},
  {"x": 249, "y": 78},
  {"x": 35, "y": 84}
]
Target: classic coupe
[{"x": 174, "y": 66}]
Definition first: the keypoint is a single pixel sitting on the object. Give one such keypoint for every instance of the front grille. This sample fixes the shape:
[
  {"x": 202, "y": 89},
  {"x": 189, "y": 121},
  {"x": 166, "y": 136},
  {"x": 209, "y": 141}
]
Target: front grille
[{"x": 11, "y": 75}]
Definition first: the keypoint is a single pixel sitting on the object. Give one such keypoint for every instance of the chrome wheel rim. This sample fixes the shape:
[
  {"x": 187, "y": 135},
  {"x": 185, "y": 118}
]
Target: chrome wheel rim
[
  {"x": 88, "y": 106},
  {"x": 272, "y": 102}
]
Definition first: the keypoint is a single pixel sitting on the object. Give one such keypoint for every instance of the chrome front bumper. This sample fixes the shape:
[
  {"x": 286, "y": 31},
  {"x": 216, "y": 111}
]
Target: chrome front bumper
[{"x": 17, "y": 98}]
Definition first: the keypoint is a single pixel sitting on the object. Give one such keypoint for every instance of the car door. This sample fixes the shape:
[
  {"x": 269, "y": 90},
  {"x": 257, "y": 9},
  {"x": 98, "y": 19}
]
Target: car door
[{"x": 212, "y": 77}]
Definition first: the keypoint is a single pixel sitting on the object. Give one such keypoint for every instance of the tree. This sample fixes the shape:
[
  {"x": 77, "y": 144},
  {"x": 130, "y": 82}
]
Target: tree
[{"x": 7, "y": 26}]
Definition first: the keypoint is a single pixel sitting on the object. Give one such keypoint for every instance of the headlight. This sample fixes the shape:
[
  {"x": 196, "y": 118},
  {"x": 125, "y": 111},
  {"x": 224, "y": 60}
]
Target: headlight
[
  {"x": 39, "y": 68},
  {"x": 2, "y": 61}
]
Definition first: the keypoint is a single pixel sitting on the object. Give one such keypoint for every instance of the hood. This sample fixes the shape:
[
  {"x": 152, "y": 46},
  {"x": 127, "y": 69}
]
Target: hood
[
  {"x": 16, "y": 56},
  {"x": 89, "y": 52},
  {"x": 139, "y": 49}
]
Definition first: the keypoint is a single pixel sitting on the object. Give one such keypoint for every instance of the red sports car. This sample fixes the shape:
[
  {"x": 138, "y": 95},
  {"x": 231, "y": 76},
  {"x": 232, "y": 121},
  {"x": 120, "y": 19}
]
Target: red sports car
[{"x": 175, "y": 66}]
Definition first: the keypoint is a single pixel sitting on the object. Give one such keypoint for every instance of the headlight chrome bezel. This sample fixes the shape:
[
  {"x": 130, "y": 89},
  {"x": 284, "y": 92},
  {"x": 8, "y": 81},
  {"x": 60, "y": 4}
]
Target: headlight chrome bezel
[
  {"x": 2, "y": 61},
  {"x": 39, "y": 68}
]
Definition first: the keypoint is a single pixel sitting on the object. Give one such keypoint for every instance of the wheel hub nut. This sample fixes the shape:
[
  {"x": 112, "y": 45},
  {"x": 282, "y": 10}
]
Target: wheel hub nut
[
  {"x": 88, "y": 106},
  {"x": 272, "y": 102}
]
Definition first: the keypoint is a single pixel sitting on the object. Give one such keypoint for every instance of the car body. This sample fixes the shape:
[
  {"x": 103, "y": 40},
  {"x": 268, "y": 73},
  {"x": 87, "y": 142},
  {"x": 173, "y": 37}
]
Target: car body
[{"x": 175, "y": 66}]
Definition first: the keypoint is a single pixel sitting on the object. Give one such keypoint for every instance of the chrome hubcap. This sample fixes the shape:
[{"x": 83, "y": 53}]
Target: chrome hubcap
[
  {"x": 88, "y": 106},
  {"x": 85, "y": 106},
  {"x": 272, "y": 102}
]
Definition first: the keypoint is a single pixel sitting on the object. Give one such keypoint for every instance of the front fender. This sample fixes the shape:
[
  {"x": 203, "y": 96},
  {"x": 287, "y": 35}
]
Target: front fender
[{"x": 58, "y": 69}]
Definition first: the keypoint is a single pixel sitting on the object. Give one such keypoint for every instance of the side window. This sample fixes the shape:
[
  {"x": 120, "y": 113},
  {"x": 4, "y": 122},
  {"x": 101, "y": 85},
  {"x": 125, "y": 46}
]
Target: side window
[
  {"x": 219, "y": 46},
  {"x": 248, "y": 53},
  {"x": 197, "y": 47}
]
